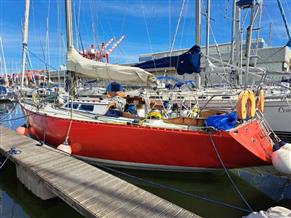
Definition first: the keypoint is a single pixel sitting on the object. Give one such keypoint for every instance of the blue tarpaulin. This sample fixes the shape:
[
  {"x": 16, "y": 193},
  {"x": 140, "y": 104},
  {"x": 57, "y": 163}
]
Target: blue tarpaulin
[
  {"x": 247, "y": 3},
  {"x": 114, "y": 87},
  {"x": 188, "y": 62},
  {"x": 178, "y": 83},
  {"x": 223, "y": 121},
  {"x": 3, "y": 90}
]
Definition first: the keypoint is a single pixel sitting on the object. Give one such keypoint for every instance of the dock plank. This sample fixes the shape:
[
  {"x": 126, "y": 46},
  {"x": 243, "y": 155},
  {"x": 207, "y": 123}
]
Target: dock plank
[{"x": 87, "y": 189}]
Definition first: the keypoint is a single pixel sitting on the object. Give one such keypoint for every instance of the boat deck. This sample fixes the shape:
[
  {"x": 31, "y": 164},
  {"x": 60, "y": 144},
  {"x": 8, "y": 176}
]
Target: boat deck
[{"x": 89, "y": 190}]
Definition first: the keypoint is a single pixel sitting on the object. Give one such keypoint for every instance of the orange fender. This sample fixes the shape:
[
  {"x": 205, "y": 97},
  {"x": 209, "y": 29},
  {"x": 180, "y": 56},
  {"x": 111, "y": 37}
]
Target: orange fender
[{"x": 21, "y": 130}]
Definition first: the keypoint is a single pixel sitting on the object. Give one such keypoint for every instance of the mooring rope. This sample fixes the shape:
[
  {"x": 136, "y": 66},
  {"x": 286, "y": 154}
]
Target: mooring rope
[
  {"x": 9, "y": 153},
  {"x": 227, "y": 173}
]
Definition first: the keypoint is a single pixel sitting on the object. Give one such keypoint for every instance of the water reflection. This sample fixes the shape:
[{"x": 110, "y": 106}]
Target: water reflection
[{"x": 17, "y": 201}]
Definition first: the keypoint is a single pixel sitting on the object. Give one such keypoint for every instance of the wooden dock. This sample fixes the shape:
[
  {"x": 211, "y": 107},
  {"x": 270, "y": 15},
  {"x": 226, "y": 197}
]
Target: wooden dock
[{"x": 48, "y": 172}]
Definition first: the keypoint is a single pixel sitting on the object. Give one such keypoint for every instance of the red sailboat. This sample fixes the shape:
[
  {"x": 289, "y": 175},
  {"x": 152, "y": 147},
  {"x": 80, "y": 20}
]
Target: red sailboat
[
  {"x": 170, "y": 144},
  {"x": 146, "y": 147}
]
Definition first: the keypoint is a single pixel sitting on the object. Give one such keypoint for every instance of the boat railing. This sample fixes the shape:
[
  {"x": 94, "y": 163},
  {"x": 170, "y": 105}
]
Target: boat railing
[
  {"x": 266, "y": 126},
  {"x": 210, "y": 99}
]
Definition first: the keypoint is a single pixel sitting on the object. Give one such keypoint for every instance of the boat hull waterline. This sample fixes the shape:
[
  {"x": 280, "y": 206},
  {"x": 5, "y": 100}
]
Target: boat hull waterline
[{"x": 140, "y": 147}]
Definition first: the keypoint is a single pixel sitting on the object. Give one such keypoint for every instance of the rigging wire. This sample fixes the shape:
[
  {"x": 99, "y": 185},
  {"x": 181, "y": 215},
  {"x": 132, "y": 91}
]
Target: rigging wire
[
  {"x": 148, "y": 34},
  {"x": 183, "y": 27},
  {"x": 93, "y": 24},
  {"x": 177, "y": 26},
  {"x": 78, "y": 24},
  {"x": 226, "y": 3},
  {"x": 78, "y": 32},
  {"x": 218, "y": 52},
  {"x": 41, "y": 60}
]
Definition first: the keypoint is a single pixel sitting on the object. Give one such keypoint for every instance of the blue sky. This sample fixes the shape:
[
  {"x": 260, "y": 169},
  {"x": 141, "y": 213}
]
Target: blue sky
[{"x": 148, "y": 25}]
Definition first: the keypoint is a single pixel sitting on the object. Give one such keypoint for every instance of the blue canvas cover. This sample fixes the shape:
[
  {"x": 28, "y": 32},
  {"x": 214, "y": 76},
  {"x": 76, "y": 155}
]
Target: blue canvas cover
[
  {"x": 223, "y": 121},
  {"x": 3, "y": 90},
  {"x": 114, "y": 87},
  {"x": 113, "y": 113},
  {"x": 188, "y": 62},
  {"x": 167, "y": 78},
  {"x": 247, "y": 3}
]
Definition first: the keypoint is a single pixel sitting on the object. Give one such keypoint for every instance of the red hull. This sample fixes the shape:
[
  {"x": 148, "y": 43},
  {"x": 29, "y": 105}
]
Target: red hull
[{"x": 155, "y": 148}]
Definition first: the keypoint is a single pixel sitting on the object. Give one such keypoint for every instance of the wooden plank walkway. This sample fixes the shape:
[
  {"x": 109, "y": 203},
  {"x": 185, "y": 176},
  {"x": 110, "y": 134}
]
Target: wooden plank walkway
[{"x": 89, "y": 190}]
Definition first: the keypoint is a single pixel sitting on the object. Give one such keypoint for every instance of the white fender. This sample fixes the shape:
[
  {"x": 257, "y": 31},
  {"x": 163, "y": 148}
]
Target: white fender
[
  {"x": 281, "y": 158},
  {"x": 184, "y": 113},
  {"x": 65, "y": 147},
  {"x": 60, "y": 99},
  {"x": 271, "y": 212}
]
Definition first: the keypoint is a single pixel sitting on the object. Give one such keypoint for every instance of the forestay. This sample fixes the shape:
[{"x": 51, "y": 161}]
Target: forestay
[{"x": 95, "y": 69}]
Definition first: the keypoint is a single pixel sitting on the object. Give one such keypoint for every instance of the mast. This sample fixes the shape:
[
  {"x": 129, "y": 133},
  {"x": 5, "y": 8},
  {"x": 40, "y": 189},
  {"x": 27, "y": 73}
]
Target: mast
[
  {"x": 207, "y": 40},
  {"x": 69, "y": 25},
  {"x": 232, "y": 61},
  {"x": 3, "y": 58},
  {"x": 238, "y": 45},
  {"x": 197, "y": 35},
  {"x": 248, "y": 45},
  {"x": 285, "y": 22},
  {"x": 254, "y": 7},
  {"x": 232, "y": 31},
  {"x": 47, "y": 50},
  {"x": 24, "y": 40},
  {"x": 258, "y": 32},
  {"x": 198, "y": 22}
]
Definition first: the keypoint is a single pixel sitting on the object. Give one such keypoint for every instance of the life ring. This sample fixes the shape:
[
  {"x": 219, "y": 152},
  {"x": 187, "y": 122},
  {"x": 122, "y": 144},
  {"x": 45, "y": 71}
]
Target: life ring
[
  {"x": 261, "y": 101},
  {"x": 246, "y": 105}
]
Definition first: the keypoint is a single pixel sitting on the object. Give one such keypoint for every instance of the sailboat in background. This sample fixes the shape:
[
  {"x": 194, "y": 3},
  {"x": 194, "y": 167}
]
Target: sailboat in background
[
  {"x": 6, "y": 93},
  {"x": 277, "y": 108}
]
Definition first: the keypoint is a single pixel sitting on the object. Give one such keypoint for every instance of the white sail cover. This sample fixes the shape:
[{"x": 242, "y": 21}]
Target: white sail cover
[{"x": 95, "y": 69}]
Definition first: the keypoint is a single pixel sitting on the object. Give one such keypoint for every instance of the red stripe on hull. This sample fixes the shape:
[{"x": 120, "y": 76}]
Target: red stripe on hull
[{"x": 146, "y": 145}]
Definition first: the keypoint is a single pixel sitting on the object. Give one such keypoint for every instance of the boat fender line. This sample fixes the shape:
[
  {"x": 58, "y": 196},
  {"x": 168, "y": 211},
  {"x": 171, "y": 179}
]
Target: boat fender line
[
  {"x": 65, "y": 146},
  {"x": 281, "y": 157},
  {"x": 246, "y": 105},
  {"x": 261, "y": 101}
]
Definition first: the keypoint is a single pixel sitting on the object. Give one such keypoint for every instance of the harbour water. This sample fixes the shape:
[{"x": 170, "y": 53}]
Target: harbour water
[{"x": 208, "y": 194}]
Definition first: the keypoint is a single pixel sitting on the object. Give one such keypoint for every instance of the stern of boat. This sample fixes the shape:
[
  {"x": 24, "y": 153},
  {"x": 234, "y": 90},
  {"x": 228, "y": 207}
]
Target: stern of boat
[{"x": 255, "y": 138}]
